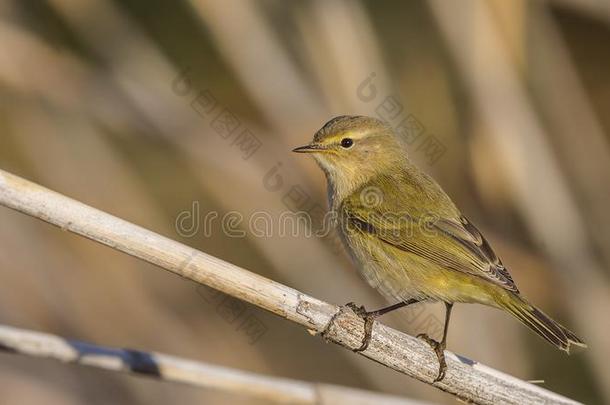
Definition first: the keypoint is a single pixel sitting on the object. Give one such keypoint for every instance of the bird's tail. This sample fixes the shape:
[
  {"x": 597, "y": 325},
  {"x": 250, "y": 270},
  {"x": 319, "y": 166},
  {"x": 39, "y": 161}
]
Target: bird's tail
[{"x": 543, "y": 325}]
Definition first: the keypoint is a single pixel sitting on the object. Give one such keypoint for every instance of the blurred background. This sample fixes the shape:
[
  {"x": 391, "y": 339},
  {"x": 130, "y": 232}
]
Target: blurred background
[{"x": 164, "y": 112}]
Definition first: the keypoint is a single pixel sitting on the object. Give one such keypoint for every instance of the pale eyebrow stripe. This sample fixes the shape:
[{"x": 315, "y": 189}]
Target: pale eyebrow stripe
[{"x": 348, "y": 133}]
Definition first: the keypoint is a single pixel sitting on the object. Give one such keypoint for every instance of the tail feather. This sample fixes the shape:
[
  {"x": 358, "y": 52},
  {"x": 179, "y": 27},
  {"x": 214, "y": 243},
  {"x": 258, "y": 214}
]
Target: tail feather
[{"x": 543, "y": 325}]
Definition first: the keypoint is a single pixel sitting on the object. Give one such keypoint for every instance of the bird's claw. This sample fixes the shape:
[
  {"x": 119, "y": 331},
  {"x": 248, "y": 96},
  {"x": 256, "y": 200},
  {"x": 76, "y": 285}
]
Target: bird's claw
[
  {"x": 357, "y": 309},
  {"x": 439, "y": 349},
  {"x": 369, "y": 319}
]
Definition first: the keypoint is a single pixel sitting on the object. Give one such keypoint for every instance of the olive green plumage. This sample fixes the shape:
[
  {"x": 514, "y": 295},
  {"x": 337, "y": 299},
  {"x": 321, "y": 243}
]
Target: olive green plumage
[{"x": 406, "y": 235}]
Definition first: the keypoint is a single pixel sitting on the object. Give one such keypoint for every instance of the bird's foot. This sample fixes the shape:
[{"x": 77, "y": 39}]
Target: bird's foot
[
  {"x": 369, "y": 319},
  {"x": 439, "y": 349}
]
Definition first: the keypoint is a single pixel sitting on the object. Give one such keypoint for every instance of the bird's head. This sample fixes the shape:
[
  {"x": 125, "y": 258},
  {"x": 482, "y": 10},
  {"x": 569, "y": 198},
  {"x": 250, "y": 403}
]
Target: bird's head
[{"x": 353, "y": 149}]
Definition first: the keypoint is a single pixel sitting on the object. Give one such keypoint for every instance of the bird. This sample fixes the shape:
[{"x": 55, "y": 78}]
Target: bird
[{"x": 407, "y": 237}]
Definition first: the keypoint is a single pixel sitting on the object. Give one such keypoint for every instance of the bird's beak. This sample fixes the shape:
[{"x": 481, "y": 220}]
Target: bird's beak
[{"x": 311, "y": 148}]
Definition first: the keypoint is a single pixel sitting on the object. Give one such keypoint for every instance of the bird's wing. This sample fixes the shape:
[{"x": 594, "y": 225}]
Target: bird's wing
[
  {"x": 451, "y": 243},
  {"x": 473, "y": 241}
]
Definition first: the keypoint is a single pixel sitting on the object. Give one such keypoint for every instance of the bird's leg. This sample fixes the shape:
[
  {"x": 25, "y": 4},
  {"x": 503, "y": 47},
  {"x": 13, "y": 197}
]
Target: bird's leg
[
  {"x": 369, "y": 318},
  {"x": 439, "y": 347}
]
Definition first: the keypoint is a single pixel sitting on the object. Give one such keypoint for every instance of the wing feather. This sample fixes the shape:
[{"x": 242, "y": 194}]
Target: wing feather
[{"x": 451, "y": 243}]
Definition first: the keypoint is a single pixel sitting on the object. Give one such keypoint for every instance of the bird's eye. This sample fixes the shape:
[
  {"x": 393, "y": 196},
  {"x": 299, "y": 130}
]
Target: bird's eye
[{"x": 347, "y": 143}]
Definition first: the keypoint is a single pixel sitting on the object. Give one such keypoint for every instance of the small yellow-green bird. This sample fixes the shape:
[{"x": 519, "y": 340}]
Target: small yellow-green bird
[{"x": 407, "y": 237}]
